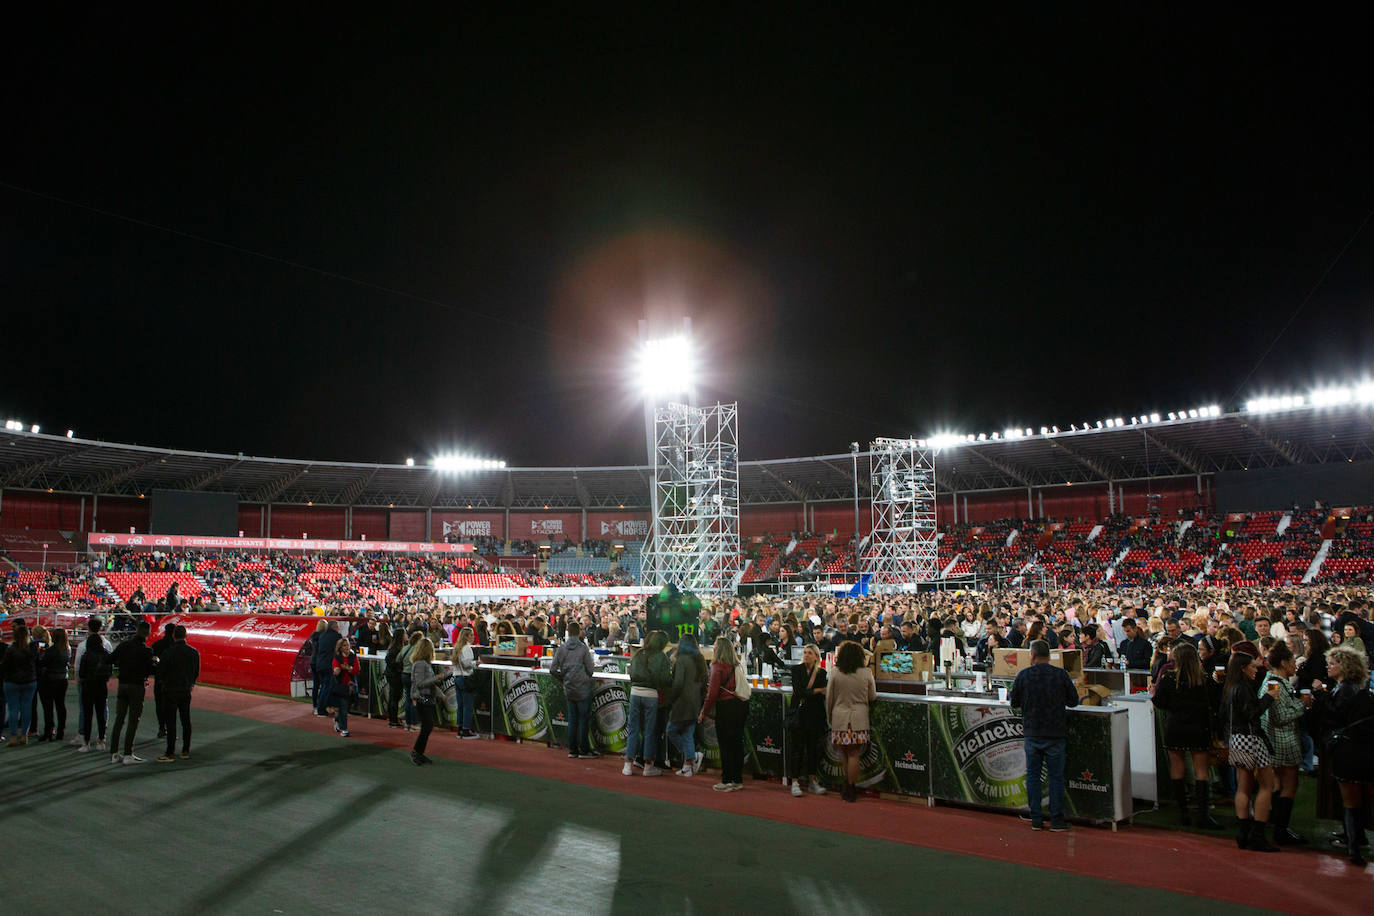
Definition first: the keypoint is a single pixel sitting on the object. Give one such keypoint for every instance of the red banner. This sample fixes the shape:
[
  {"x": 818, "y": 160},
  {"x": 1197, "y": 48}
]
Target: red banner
[
  {"x": 469, "y": 525},
  {"x": 194, "y": 542},
  {"x": 609, "y": 526},
  {"x": 245, "y": 651}
]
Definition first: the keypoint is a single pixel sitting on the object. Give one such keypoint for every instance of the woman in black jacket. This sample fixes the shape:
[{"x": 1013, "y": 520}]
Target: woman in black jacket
[
  {"x": 1190, "y": 699},
  {"x": 392, "y": 668},
  {"x": 20, "y": 674},
  {"x": 806, "y": 723},
  {"x": 52, "y": 684},
  {"x": 1346, "y": 717},
  {"x": 1242, "y": 709}
]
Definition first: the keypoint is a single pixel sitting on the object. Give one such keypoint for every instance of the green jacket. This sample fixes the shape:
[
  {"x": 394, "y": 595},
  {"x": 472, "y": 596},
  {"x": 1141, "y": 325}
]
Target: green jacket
[{"x": 651, "y": 669}]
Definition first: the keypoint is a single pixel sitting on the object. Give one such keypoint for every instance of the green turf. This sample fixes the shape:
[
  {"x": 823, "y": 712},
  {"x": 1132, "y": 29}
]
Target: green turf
[{"x": 271, "y": 819}]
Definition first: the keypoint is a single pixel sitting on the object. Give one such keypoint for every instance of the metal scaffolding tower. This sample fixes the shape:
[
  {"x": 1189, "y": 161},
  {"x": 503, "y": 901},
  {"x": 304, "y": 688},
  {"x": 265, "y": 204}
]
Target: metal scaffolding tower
[
  {"x": 695, "y": 539},
  {"x": 903, "y": 549}
]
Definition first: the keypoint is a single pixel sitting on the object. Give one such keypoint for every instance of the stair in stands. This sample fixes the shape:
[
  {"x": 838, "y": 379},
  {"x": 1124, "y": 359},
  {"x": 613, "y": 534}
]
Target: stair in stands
[{"x": 1317, "y": 561}]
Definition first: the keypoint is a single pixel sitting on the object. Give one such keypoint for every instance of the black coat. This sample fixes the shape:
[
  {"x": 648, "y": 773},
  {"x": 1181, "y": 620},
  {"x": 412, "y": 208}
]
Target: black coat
[
  {"x": 1190, "y": 719},
  {"x": 1347, "y": 711},
  {"x": 1242, "y": 708},
  {"x": 810, "y": 706}
]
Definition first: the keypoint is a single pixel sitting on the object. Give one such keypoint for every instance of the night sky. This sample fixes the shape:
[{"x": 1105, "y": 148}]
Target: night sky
[{"x": 308, "y": 235}]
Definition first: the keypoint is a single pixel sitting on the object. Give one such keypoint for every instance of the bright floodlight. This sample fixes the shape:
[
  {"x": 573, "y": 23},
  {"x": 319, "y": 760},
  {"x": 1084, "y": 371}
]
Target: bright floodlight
[
  {"x": 410, "y": 462},
  {"x": 666, "y": 366},
  {"x": 466, "y": 463},
  {"x": 34, "y": 429},
  {"x": 945, "y": 440}
]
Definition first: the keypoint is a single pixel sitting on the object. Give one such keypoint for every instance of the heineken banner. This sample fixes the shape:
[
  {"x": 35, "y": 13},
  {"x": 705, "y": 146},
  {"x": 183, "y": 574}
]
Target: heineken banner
[
  {"x": 763, "y": 733},
  {"x": 977, "y": 757},
  {"x": 530, "y": 705}
]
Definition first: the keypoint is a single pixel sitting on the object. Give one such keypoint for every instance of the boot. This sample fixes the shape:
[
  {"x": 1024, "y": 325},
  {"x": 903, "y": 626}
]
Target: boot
[
  {"x": 1282, "y": 814},
  {"x": 1243, "y": 832},
  {"x": 1201, "y": 794},
  {"x": 1258, "y": 841},
  {"x": 1181, "y": 799},
  {"x": 1354, "y": 829}
]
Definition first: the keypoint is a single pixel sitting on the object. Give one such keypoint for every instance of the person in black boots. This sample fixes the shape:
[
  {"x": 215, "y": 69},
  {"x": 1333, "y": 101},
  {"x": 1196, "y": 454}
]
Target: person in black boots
[
  {"x": 1346, "y": 717},
  {"x": 1190, "y": 701},
  {"x": 1281, "y": 727},
  {"x": 424, "y": 688},
  {"x": 1249, "y": 752}
]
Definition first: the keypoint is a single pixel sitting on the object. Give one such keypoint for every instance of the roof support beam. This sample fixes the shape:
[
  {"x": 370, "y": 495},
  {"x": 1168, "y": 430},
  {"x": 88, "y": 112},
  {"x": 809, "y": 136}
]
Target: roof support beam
[
  {"x": 25, "y": 472},
  {"x": 356, "y": 488},
  {"x": 431, "y": 491},
  {"x": 209, "y": 477},
  {"x": 1092, "y": 464},
  {"x": 103, "y": 484},
  {"x": 274, "y": 488},
  {"x": 584, "y": 498},
  {"x": 1011, "y": 471},
  {"x": 507, "y": 497},
  {"x": 1189, "y": 461},
  {"x": 800, "y": 494},
  {"x": 1280, "y": 448}
]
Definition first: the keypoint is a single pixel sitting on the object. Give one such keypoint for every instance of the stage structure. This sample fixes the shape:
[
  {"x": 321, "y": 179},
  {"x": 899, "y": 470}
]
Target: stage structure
[
  {"x": 902, "y": 551},
  {"x": 694, "y": 543}
]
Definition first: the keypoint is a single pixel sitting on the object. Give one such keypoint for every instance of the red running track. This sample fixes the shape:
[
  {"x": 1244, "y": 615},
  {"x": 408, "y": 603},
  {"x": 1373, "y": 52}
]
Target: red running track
[{"x": 1295, "y": 881}]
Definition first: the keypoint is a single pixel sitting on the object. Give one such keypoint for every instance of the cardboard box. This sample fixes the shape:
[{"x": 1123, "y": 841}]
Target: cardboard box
[
  {"x": 922, "y": 666},
  {"x": 511, "y": 645},
  {"x": 1007, "y": 662},
  {"x": 1092, "y": 694}
]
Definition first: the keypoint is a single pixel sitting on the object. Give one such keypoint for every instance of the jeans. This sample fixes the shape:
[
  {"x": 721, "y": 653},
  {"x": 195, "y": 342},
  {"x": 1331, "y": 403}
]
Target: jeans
[
  {"x": 341, "y": 709},
  {"x": 643, "y": 725},
  {"x": 324, "y": 693},
  {"x": 1309, "y": 748},
  {"x": 95, "y": 697},
  {"x": 128, "y": 704},
  {"x": 579, "y": 718},
  {"x": 429, "y": 715},
  {"x": 465, "y": 703},
  {"x": 682, "y": 734},
  {"x": 174, "y": 705},
  {"x": 730, "y": 717},
  {"x": 54, "y": 697},
  {"x": 1045, "y": 753},
  {"x": 19, "y": 702}
]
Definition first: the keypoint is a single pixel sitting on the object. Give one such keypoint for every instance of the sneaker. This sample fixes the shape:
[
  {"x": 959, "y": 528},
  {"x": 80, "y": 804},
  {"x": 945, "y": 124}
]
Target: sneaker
[
  {"x": 736, "y": 786},
  {"x": 697, "y": 761},
  {"x": 132, "y": 759},
  {"x": 469, "y": 734},
  {"x": 572, "y": 755},
  {"x": 1035, "y": 825},
  {"x": 797, "y": 789},
  {"x": 185, "y": 755},
  {"x": 116, "y": 758},
  {"x": 425, "y": 761},
  {"x": 584, "y": 753},
  {"x": 628, "y": 769},
  {"x": 652, "y": 770},
  {"x": 343, "y": 733},
  {"x": 685, "y": 771},
  {"x": 724, "y": 787},
  {"x": 816, "y": 788},
  {"x": 393, "y": 725},
  {"x": 167, "y": 758},
  {"x": 100, "y": 745},
  {"x": 77, "y": 742},
  {"x": 336, "y": 727},
  {"x": 1060, "y": 828},
  {"x": 415, "y": 759},
  {"x": 85, "y": 748}
]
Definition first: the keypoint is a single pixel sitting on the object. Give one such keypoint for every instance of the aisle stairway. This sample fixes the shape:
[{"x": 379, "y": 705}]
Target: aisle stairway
[{"x": 1317, "y": 561}]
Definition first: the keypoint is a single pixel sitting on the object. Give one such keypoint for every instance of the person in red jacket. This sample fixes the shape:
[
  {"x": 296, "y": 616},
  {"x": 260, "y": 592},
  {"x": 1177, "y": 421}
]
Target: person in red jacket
[{"x": 345, "y": 676}]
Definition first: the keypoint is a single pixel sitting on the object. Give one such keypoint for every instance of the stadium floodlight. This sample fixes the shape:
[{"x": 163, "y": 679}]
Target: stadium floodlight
[
  {"x": 1154, "y": 418},
  {"x": 982, "y": 437},
  {"x": 34, "y": 429},
  {"x": 1330, "y": 397},
  {"x": 456, "y": 463},
  {"x": 1192, "y": 414},
  {"x": 1172, "y": 415},
  {"x": 1054, "y": 429},
  {"x": 1364, "y": 393},
  {"x": 945, "y": 440},
  {"x": 70, "y": 434},
  {"x": 410, "y": 462},
  {"x": 14, "y": 425},
  {"x": 666, "y": 366},
  {"x": 1044, "y": 430}
]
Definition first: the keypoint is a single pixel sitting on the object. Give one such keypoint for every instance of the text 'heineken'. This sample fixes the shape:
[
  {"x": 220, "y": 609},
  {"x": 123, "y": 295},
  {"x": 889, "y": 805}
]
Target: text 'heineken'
[
  {"x": 524, "y": 707},
  {"x": 610, "y": 719},
  {"x": 988, "y": 749}
]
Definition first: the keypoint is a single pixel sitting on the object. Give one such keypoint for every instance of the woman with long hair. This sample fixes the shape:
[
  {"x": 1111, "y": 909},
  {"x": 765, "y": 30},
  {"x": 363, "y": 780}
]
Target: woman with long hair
[
  {"x": 1189, "y": 700},
  {"x": 650, "y": 675},
  {"x": 19, "y": 667},
  {"x": 391, "y": 667},
  {"x": 1249, "y": 752},
  {"x": 407, "y": 661},
  {"x": 1281, "y": 727},
  {"x": 1345, "y": 716},
  {"x": 464, "y": 667},
  {"x": 848, "y": 694},
  {"x": 686, "y": 695},
  {"x": 52, "y": 684},
  {"x": 424, "y": 684},
  {"x": 730, "y": 710},
  {"x": 345, "y": 669},
  {"x": 806, "y": 723}
]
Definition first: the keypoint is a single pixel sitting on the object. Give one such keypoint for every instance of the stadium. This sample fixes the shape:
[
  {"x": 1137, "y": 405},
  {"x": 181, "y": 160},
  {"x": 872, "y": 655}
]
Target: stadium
[{"x": 643, "y": 461}]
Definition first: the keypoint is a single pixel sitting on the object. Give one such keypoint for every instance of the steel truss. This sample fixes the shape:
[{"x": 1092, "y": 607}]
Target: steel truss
[
  {"x": 694, "y": 543},
  {"x": 902, "y": 551}
]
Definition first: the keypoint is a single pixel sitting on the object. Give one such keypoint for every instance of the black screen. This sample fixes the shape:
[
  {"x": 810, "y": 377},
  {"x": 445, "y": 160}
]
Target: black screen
[{"x": 186, "y": 512}]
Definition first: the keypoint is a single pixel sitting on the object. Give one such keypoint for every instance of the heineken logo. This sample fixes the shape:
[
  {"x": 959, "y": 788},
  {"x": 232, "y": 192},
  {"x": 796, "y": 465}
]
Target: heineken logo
[
  {"x": 1085, "y": 783},
  {"x": 769, "y": 746},
  {"x": 983, "y": 738},
  {"x": 908, "y": 762}
]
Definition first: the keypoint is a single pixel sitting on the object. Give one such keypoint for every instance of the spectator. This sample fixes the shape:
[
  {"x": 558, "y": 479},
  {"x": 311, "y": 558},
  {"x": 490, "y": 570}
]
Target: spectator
[
  {"x": 685, "y": 698},
  {"x": 573, "y": 668},
  {"x": 1043, "y": 694},
  {"x": 178, "y": 670},
  {"x": 1242, "y": 711},
  {"x": 806, "y": 722},
  {"x": 20, "y": 672},
  {"x": 727, "y": 699},
  {"x": 343, "y": 684},
  {"x": 849, "y": 691},
  {"x": 135, "y": 662},
  {"x": 424, "y": 684},
  {"x": 94, "y": 671},
  {"x": 52, "y": 685}
]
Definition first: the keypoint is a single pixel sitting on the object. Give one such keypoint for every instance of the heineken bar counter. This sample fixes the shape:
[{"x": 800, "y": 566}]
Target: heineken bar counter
[{"x": 951, "y": 749}]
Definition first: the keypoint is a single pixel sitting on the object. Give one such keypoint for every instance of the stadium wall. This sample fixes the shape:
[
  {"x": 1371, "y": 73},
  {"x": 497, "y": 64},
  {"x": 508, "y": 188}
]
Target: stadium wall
[{"x": 1349, "y": 484}]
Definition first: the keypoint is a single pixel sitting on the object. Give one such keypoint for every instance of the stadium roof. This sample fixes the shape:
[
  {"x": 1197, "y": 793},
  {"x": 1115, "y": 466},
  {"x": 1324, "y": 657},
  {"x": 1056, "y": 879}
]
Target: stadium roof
[{"x": 1228, "y": 442}]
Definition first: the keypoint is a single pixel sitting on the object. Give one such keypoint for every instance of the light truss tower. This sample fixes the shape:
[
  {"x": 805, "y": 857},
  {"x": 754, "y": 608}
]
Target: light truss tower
[
  {"x": 903, "y": 549},
  {"x": 695, "y": 540}
]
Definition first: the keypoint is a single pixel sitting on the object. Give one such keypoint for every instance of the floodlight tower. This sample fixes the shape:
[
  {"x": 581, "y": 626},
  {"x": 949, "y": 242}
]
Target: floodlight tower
[{"x": 903, "y": 548}]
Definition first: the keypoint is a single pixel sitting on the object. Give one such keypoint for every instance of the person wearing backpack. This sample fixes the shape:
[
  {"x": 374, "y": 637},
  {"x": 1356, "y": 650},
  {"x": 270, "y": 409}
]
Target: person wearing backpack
[
  {"x": 727, "y": 695},
  {"x": 93, "y": 671}
]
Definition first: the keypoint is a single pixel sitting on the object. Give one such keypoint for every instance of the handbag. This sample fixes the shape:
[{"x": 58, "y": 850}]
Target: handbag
[{"x": 741, "y": 678}]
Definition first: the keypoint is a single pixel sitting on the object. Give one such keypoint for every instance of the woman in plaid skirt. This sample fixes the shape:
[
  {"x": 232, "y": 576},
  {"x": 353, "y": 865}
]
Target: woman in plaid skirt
[
  {"x": 1281, "y": 726},
  {"x": 1249, "y": 752}
]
